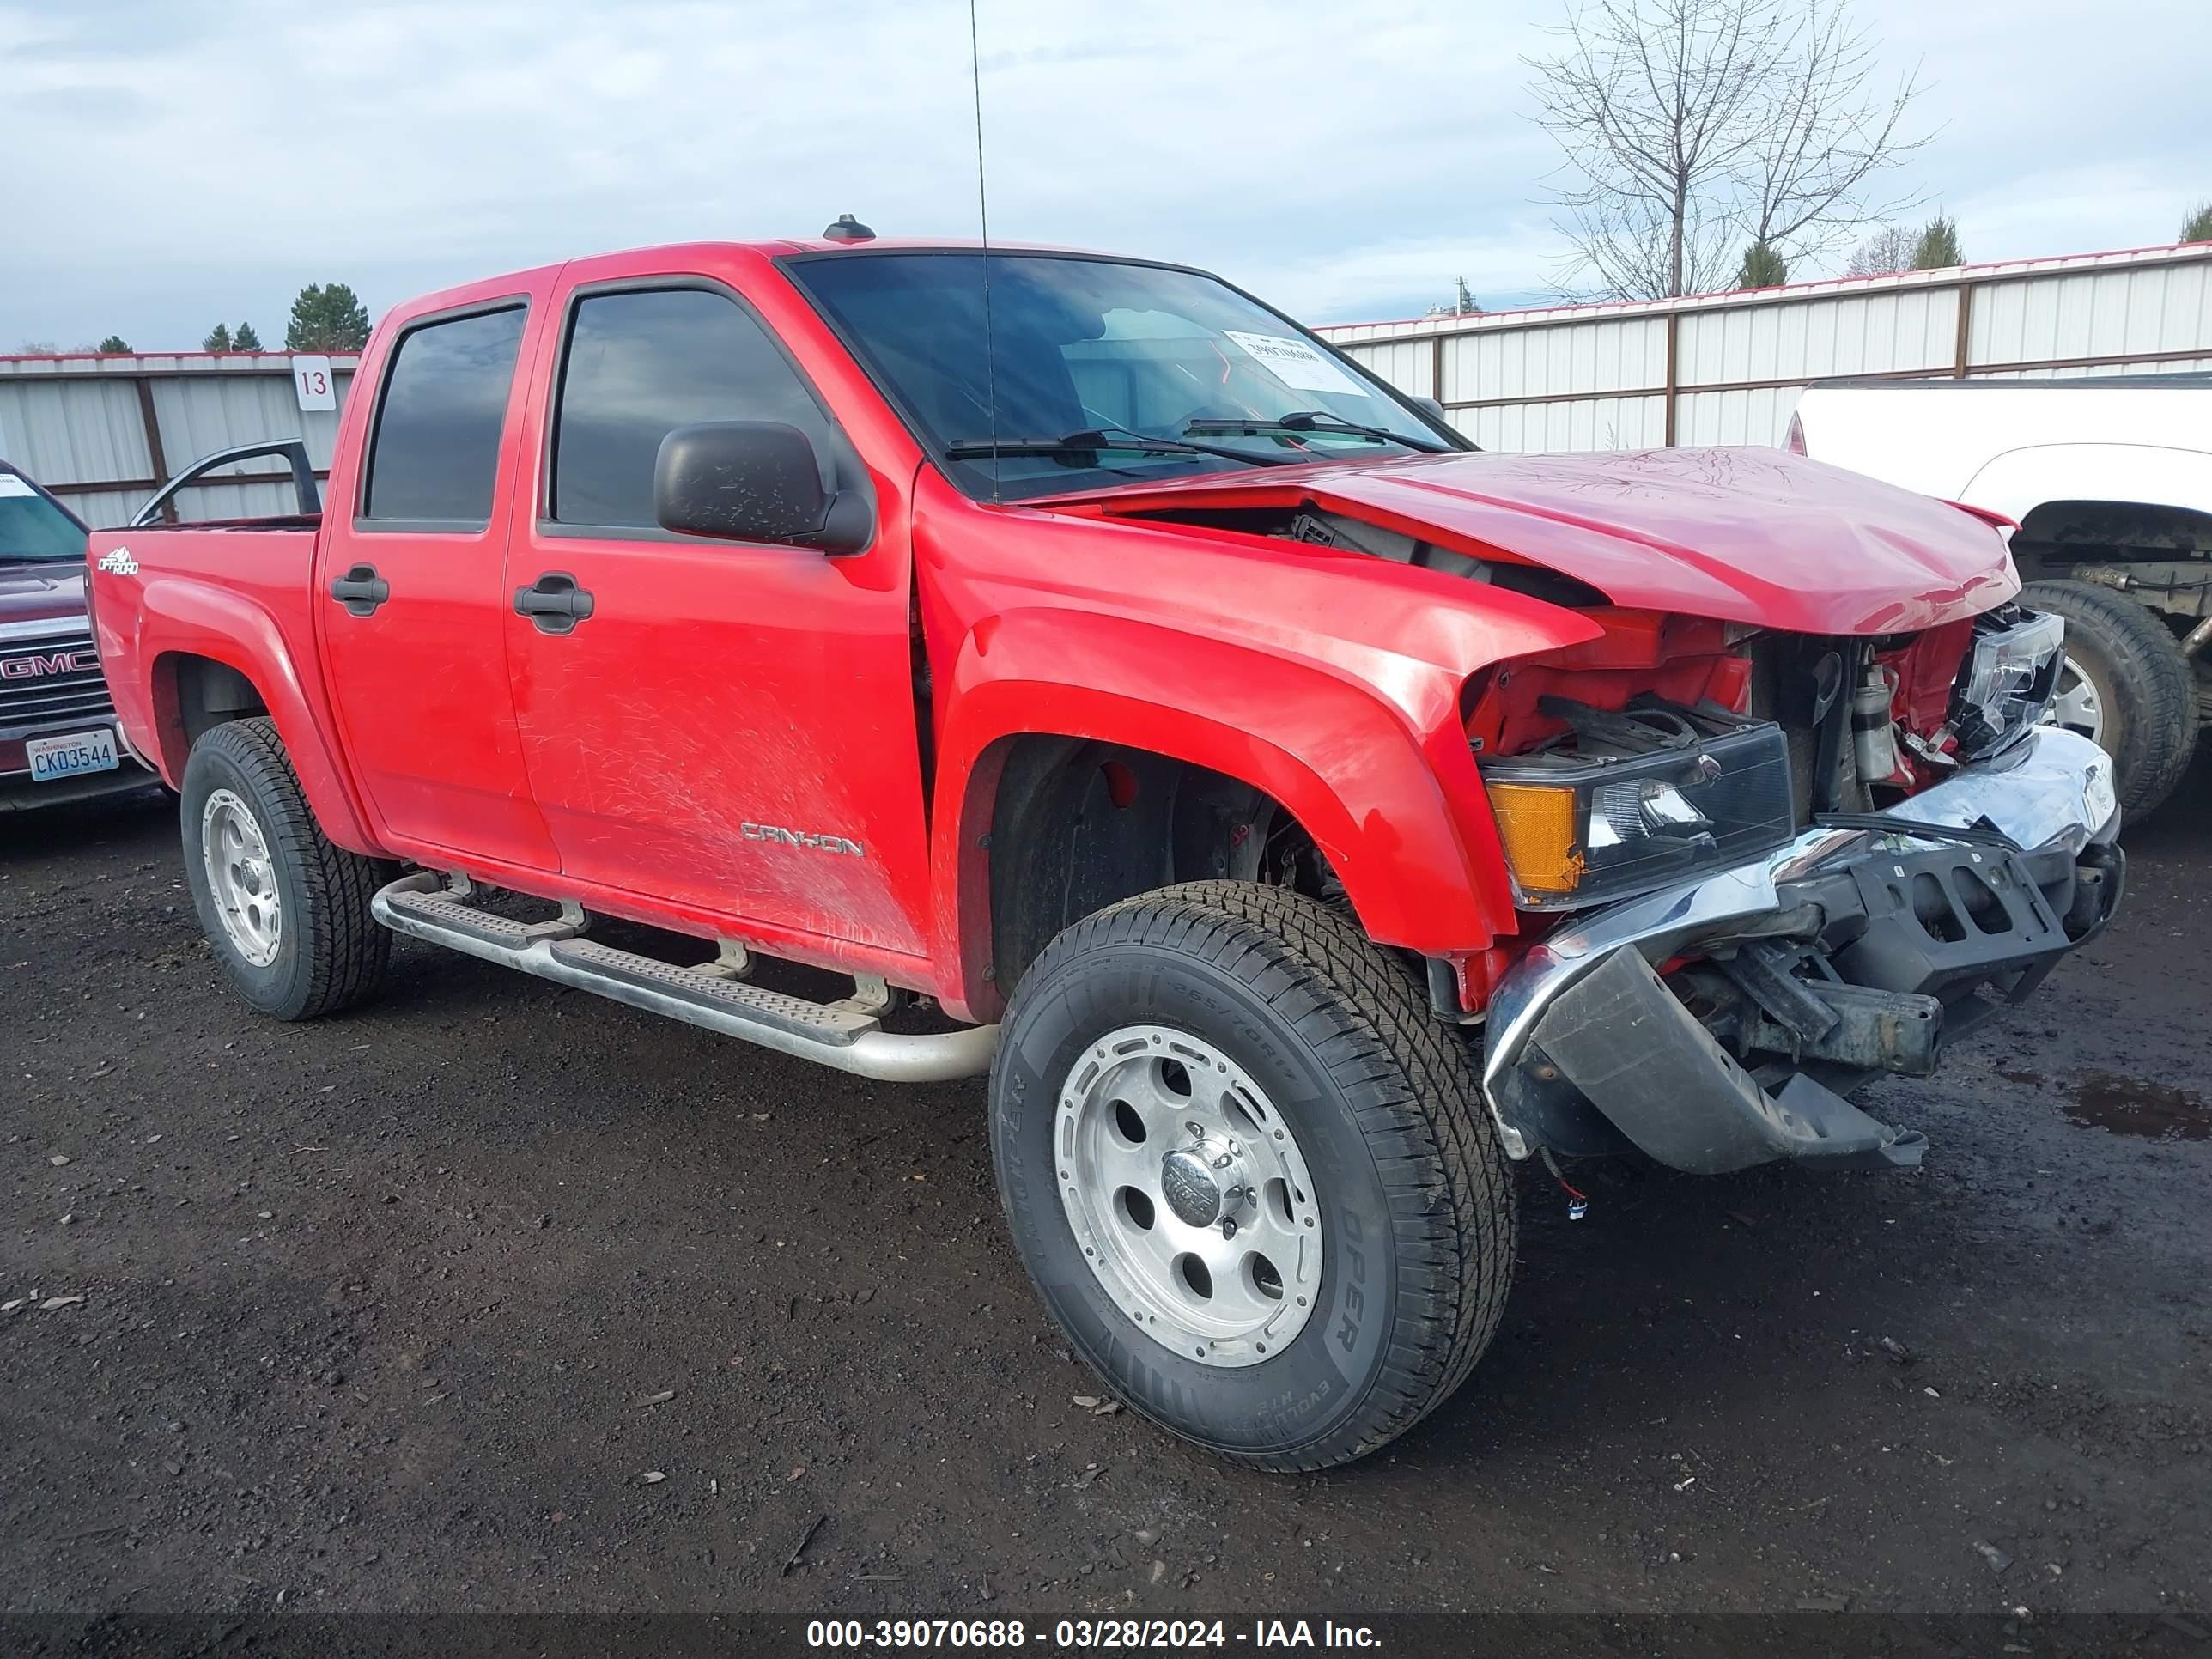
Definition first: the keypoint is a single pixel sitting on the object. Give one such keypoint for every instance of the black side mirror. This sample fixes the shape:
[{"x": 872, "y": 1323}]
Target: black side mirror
[
  {"x": 752, "y": 481},
  {"x": 1430, "y": 407}
]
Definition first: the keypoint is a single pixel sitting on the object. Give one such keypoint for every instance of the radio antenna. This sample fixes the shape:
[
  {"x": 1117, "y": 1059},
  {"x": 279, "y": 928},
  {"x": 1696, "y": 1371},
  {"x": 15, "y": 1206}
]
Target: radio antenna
[{"x": 983, "y": 215}]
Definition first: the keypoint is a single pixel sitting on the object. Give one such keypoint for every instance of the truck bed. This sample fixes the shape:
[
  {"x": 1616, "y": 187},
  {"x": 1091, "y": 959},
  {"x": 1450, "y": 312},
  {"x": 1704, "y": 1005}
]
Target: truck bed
[{"x": 162, "y": 594}]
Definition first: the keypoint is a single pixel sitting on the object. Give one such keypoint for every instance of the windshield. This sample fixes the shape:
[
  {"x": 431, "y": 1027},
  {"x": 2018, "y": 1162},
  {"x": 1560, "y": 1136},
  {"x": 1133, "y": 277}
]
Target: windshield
[
  {"x": 32, "y": 527},
  {"x": 1099, "y": 348}
]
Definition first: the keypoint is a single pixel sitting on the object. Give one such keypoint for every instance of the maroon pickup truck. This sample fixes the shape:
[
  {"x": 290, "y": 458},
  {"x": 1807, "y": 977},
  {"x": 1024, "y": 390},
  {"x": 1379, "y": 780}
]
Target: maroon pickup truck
[
  {"x": 58, "y": 739},
  {"x": 1298, "y": 814}
]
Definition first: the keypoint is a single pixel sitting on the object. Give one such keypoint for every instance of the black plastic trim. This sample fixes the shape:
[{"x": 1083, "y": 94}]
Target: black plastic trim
[
  {"x": 360, "y": 590},
  {"x": 555, "y": 603}
]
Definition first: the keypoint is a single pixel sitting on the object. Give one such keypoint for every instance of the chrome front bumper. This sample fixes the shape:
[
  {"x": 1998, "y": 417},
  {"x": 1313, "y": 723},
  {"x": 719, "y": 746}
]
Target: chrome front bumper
[{"x": 2053, "y": 791}]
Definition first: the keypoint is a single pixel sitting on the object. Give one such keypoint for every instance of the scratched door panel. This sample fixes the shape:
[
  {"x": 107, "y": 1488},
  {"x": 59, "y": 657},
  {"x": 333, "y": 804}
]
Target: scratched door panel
[{"x": 732, "y": 729}]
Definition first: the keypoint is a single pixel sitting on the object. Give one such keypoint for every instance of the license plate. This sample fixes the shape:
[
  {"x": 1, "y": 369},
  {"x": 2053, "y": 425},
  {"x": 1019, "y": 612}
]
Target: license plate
[{"x": 72, "y": 755}]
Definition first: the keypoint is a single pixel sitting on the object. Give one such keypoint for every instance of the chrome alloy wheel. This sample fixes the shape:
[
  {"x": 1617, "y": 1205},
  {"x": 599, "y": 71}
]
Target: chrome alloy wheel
[
  {"x": 1188, "y": 1192},
  {"x": 2076, "y": 705},
  {"x": 241, "y": 877}
]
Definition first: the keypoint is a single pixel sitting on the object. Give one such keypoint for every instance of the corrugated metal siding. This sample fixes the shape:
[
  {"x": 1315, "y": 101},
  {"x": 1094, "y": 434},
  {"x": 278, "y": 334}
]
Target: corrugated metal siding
[
  {"x": 198, "y": 417},
  {"x": 1758, "y": 414},
  {"x": 1819, "y": 339},
  {"x": 1600, "y": 356},
  {"x": 1599, "y": 377},
  {"x": 1578, "y": 423},
  {"x": 2108, "y": 314},
  {"x": 1409, "y": 365},
  {"x": 76, "y": 423},
  {"x": 81, "y": 429}
]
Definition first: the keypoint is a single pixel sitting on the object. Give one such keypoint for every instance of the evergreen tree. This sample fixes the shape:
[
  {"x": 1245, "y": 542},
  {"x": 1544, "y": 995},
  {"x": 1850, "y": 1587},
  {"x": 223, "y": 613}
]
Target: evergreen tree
[
  {"x": 114, "y": 345},
  {"x": 218, "y": 340},
  {"x": 1938, "y": 247},
  {"x": 244, "y": 339},
  {"x": 2198, "y": 227},
  {"x": 328, "y": 319},
  {"x": 1762, "y": 268}
]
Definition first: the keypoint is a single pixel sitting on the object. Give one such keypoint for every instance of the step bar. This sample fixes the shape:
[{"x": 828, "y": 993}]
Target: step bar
[{"x": 847, "y": 1037}]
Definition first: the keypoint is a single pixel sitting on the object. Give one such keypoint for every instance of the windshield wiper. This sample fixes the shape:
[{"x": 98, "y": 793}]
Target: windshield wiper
[
  {"x": 1319, "y": 422},
  {"x": 1092, "y": 439}
]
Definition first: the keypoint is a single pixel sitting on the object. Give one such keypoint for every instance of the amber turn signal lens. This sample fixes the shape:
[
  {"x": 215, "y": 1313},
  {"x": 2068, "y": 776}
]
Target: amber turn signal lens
[{"x": 1537, "y": 828}]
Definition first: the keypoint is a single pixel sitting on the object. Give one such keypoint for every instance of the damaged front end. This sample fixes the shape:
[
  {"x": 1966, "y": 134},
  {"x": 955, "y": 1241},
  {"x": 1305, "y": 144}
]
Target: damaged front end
[{"x": 1717, "y": 1022}]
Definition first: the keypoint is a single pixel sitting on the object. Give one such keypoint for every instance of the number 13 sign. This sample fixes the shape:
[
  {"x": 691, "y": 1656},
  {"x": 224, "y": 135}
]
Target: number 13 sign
[{"x": 312, "y": 381}]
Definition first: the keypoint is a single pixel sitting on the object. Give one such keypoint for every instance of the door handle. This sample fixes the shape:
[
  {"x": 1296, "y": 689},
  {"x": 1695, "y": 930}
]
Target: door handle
[
  {"x": 554, "y": 604},
  {"x": 360, "y": 590}
]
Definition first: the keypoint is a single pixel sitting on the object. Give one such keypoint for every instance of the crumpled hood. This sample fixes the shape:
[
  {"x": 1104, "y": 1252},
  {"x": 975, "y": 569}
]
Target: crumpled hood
[
  {"x": 1756, "y": 536},
  {"x": 44, "y": 592}
]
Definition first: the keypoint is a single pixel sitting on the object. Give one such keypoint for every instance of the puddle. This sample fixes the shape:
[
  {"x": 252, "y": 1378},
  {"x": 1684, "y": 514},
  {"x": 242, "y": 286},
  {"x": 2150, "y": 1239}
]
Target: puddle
[{"x": 2129, "y": 1106}]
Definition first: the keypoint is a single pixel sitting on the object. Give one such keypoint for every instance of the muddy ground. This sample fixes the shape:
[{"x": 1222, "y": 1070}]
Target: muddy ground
[{"x": 500, "y": 1296}]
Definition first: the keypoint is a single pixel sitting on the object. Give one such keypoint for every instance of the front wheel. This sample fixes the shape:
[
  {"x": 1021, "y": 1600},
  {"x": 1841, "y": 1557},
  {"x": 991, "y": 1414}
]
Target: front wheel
[
  {"x": 287, "y": 912},
  {"x": 1250, "y": 1173}
]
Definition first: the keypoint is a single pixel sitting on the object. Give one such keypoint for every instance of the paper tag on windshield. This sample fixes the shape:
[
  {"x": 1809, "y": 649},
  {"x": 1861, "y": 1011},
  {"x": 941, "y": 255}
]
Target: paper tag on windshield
[
  {"x": 1295, "y": 363},
  {"x": 12, "y": 486}
]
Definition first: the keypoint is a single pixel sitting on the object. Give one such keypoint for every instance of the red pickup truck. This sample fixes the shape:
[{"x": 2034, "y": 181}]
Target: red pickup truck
[{"x": 1299, "y": 816}]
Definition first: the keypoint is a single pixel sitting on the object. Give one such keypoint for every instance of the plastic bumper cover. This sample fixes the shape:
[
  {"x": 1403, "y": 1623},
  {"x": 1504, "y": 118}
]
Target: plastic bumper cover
[{"x": 1906, "y": 922}]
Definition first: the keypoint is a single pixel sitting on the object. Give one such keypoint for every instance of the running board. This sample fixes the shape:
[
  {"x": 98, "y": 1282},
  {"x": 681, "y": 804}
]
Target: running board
[{"x": 846, "y": 1037}]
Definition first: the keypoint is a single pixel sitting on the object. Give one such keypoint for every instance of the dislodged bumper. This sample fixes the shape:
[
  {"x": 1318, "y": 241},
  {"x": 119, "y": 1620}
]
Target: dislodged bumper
[{"x": 1858, "y": 948}]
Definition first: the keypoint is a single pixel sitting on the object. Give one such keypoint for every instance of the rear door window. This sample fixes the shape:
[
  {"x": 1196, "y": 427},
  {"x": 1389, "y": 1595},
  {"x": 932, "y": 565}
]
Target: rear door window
[{"x": 436, "y": 455}]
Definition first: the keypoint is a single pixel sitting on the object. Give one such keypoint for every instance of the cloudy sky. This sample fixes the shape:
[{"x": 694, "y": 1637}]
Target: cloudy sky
[{"x": 172, "y": 162}]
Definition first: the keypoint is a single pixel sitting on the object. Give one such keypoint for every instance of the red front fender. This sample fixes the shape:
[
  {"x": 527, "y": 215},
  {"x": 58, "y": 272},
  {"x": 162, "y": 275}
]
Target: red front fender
[{"x": 1386, "y": 786}]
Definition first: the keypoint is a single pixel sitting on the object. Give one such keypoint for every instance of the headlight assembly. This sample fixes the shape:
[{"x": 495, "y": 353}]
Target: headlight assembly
[
  {"x": 1633, "y": 800},
  {"x": 2010, "y": 676}
]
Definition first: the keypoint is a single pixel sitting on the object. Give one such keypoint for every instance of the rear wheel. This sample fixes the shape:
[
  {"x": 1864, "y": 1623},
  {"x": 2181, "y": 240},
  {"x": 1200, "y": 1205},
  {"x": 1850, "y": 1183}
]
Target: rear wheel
[
  {"x": 1250, "y": 1173},
  {"x": 2125, "y": 685},
  {"x": 287, "y": 912}
]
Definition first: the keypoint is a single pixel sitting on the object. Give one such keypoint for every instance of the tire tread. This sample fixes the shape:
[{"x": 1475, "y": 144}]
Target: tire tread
[
  {"x": 348, "y": 951},
  {"x": 2158, "y": 735},
  {"x": 1411, "y": 1084}
]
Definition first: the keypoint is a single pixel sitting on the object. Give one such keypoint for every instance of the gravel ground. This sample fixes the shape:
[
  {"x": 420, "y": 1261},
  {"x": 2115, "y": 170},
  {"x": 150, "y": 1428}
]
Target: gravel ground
[{"x": 500, "y": 1296}]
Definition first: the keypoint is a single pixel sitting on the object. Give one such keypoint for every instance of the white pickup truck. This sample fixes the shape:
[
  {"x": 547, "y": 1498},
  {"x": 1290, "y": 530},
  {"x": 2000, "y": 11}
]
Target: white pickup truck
[{"x": 2109, "y": 481}]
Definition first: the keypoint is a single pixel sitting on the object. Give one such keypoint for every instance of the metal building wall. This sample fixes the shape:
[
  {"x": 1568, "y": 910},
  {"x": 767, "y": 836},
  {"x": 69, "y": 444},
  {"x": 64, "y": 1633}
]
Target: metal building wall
[
  {"x": 104, "y": 433},
  {"x": 1727, "y": 368}
]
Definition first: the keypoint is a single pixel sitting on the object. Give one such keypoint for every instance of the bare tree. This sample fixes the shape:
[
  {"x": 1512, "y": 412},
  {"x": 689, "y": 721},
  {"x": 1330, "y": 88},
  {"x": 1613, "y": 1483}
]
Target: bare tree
[
  {"x": 1830, "y": 130},
  {"x": 1693, "y": 126},
  {"x": 1889, "y": 249}
]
